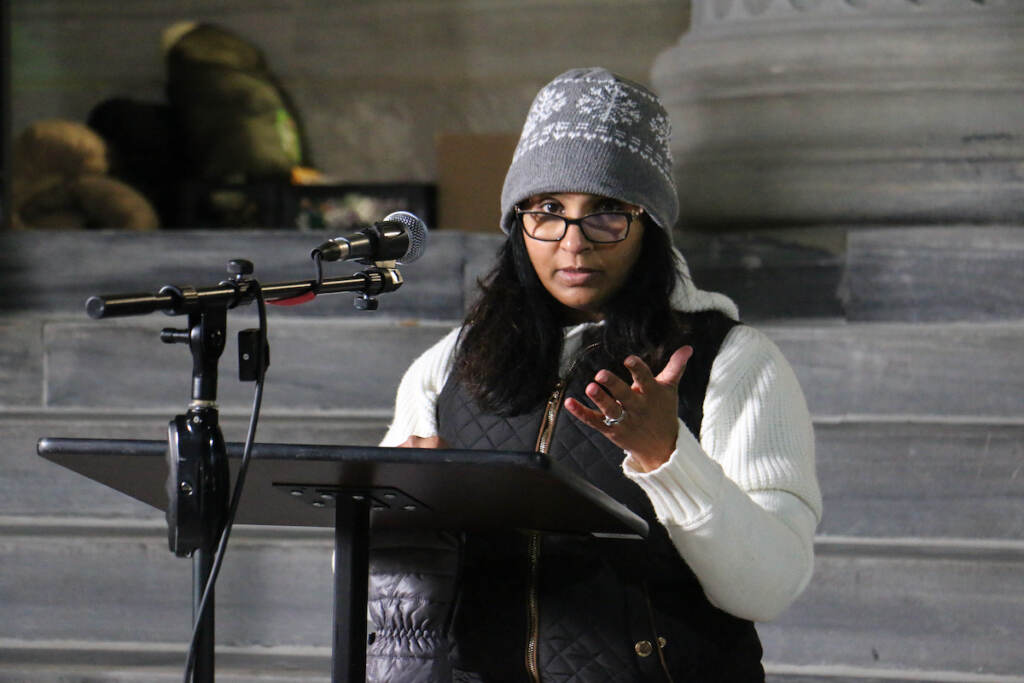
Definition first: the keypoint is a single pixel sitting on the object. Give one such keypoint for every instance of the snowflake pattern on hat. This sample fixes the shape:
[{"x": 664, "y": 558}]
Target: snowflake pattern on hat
[
  {"x": 608, "y": 111},
  {"x": 662, "y": 129},
  {"x": 609, "y": 103},
  {"x": 548, "y": 101}
]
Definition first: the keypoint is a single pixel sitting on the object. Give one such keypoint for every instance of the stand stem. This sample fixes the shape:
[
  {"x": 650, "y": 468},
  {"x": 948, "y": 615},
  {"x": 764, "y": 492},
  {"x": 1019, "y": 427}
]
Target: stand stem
[
  {"x": 202, "y": 562},
  {"x": 351, "y": 573}
]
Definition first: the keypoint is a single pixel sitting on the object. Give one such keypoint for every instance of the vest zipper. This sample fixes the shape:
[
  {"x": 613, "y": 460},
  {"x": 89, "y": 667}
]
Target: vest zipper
[
  {"x": 533, "y": 609},
  {"x": 547, "y": 430},
  {"x": 547, "y": 425}
]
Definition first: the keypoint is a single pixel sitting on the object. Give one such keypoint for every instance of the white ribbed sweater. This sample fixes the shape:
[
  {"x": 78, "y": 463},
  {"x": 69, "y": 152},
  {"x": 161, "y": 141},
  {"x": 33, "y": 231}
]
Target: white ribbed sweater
[{"x": 742, "y": 503}]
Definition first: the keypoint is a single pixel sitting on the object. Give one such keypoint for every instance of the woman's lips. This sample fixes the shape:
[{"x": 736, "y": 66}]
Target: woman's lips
[{"x": 577, "y": 276}]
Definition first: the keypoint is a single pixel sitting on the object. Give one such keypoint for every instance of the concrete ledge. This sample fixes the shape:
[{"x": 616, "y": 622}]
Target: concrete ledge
[
  {"x": 932, "y": 480},
  {"x": 322, "y": 365},
  {"x": 893, "y": 612},
  {"x": 316, "y": 364},
  {"x": 876, "y": 273},
  {"x": 874, "y": 604},
  {"x": 54, "y": 661},
  {"x": 929, "y": 274},
  {"x": 951, "y": 370},
  {"x": 785, "y": 673},
  {"x": 34, "y": 486}
]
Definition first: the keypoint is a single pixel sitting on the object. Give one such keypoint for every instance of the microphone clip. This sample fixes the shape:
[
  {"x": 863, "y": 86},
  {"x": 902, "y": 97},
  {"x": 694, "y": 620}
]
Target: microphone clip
[{"x": 378, "y": 281}]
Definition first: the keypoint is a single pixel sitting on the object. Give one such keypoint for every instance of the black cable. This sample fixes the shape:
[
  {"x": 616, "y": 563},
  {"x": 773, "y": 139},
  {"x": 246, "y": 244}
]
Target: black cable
[
  {"x": 318, "y": 266},
  {"x": 236, "y": 494}
]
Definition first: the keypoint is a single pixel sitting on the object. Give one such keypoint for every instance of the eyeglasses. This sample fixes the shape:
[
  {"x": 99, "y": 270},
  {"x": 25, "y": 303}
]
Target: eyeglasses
[{"x": 609, "y": 226}]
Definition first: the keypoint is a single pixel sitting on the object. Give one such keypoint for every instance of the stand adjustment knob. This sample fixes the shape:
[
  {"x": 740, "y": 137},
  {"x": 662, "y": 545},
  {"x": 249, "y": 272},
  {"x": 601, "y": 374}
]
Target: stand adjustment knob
[
  {"x": 365, "y": 303},
  {"x": 240, "y": 267},
  {"x": 169, "y": 335}
]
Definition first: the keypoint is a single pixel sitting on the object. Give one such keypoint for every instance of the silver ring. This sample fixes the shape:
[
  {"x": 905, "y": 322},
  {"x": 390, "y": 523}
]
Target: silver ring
[{"x": 609, "y": 422}]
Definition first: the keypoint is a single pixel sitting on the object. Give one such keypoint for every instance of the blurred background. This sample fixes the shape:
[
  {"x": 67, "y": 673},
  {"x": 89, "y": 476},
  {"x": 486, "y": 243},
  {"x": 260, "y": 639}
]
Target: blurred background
[
  {"x": 851, "y": 172},
  {"x": 192, "y": 101}
]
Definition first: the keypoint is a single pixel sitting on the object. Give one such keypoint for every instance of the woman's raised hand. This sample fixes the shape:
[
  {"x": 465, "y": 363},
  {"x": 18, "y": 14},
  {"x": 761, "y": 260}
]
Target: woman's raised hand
[
  {"x": 641, "y": 418},
  {"x": 423, "y": 442}
]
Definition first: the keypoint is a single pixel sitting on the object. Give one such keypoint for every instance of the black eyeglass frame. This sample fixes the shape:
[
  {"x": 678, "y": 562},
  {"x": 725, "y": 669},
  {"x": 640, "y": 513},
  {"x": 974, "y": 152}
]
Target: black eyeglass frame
[{"x": 566, "y": 222}]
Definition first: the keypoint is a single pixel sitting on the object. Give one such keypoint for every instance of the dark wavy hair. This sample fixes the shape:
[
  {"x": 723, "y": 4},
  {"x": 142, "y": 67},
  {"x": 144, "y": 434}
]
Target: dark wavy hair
[{"x": 511, "y": 341}]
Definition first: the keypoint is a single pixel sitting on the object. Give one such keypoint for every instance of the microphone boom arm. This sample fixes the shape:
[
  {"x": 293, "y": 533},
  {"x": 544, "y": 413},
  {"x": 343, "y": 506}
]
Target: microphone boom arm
[{"x": 175, "y": 300}]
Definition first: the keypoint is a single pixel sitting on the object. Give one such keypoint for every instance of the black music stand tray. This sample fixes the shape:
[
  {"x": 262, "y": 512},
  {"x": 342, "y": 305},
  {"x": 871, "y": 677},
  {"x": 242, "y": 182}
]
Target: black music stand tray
[{"x": 356, "y": 489}]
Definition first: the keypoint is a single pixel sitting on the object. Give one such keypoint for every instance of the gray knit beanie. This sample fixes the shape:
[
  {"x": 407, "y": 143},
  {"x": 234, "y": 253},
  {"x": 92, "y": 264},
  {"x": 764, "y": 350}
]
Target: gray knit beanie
[{"x": 592, "y": 131}]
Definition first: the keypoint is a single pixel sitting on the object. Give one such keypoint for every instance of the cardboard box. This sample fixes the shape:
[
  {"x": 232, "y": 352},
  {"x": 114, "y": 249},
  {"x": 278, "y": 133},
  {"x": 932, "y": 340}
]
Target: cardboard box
[{"x": 470, "y": 172}]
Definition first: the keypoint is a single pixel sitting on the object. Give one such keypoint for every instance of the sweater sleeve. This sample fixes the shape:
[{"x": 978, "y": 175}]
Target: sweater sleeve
[
  {"x": 741, "y": 505},
  {"x": 416, "y": 399}
]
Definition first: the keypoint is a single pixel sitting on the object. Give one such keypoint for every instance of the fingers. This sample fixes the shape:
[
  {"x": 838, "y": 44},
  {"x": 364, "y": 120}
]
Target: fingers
[
  {"x": 644, "y": 380},
  {"x": 611, "y": 384},
  {"x": 642, "y": 376},
  {"x": 606, "y": 402},
  {"x": 673, "y": 370},
  {"x": 588, "y": 416},
  {"x": 670, "y": 375},
  {"x": 611, "y": 395},
  {"x": 424, "y": 442},
  {"x": 648, "y": 408}
]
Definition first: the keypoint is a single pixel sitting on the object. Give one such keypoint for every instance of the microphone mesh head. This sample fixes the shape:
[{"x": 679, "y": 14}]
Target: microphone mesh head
[{"x": 416, "y": 229}]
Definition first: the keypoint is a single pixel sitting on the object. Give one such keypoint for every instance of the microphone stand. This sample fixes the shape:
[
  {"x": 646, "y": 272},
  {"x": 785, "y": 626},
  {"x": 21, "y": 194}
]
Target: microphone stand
[
  {"x": 174, "y": 300},
  {"x": 198, "y": 477}
]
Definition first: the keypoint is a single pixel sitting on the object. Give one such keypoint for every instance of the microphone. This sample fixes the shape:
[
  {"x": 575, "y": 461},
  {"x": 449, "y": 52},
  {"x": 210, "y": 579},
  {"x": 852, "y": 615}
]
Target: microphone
[{"x": 401, "y": 237}]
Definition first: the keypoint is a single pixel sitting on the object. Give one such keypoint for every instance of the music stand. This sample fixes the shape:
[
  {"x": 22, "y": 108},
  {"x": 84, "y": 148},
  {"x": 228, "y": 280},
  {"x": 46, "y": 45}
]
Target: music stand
[{"x": 355, "y": 489}]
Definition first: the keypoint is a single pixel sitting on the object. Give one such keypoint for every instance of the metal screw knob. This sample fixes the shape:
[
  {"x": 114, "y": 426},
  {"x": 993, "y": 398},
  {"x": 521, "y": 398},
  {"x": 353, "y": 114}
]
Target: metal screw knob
[
  {"x": 240, "y": 267},
  {"x": 365, "y": 303}
]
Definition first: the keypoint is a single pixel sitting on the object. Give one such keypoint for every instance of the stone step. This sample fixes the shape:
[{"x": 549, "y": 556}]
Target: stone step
[
  {"x": 61, "y": 661},
  {"x": 918, "y": 480},
  {"x": 924, "y": 480},
  {"x": 95, "y": 581},
  {"x": 954, "y": 369},
  {"x": 908, "y": 369},
  {"x": 125, "y": 663},
  {"x": 881, "y": 273},
  {"x": 948, "y": 613},
  {"x": 927, "y": 274},
  {"x": 115, "y": 262},
  {"x": 316, "y": 365},
  {"x": 930, "y": 607},
  {"x": 34, "y": 486}
]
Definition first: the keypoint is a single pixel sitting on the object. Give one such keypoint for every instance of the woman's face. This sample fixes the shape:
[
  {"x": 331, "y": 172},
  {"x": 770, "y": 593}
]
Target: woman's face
[{"x": 580, "y": 274}]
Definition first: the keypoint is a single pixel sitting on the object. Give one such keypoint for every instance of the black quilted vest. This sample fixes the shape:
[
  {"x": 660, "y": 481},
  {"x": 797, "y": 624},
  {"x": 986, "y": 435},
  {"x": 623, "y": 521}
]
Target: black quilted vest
[{"x": 595, "y": 609}]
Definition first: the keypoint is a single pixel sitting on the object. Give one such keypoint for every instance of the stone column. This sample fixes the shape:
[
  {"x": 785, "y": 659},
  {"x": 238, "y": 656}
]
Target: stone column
[{"x": 848, "y": 112}]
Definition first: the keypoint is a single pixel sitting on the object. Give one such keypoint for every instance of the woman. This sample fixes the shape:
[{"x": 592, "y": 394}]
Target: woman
[{"x": 590, "y": 342}]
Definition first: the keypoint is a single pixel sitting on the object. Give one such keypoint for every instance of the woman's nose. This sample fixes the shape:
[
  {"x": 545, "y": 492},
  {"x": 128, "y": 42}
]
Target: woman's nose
[{"x": 574, "y": 240}]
